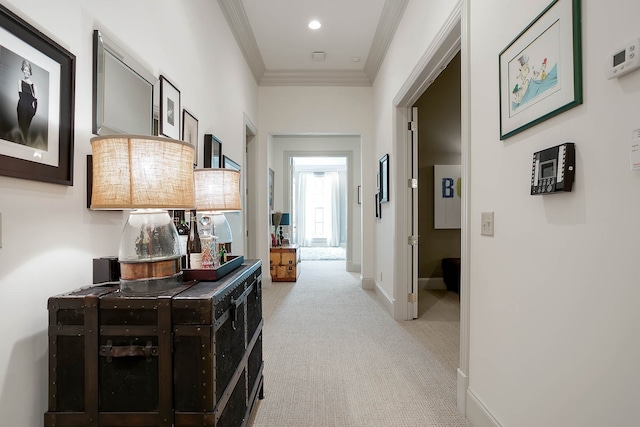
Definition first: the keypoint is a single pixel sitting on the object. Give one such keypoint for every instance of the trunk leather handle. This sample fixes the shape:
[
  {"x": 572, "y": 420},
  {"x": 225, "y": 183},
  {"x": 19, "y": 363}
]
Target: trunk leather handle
[{"x": 110, "y": 351}]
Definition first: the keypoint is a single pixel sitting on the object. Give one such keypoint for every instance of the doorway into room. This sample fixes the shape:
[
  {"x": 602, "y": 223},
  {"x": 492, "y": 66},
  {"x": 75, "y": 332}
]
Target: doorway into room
[
  {"x": 438, "y": 170},
  {"x": 318, "y": 201},
  {"x": 306, "y": 149},
  {"x": 452, "y": 39}
]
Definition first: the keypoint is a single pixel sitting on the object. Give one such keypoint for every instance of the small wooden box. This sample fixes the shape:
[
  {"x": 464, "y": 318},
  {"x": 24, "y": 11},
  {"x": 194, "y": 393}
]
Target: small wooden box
[{"x": 284, "y": 263}]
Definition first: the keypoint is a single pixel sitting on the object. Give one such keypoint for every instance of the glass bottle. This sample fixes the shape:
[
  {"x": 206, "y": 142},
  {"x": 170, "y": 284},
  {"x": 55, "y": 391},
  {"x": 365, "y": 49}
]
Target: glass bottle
[
  {"x": 194, "y": 246},
  {"x": 183, "y": 234},
  {"x": 223, "y": 254},
  {"x": 209, "y": 245}
]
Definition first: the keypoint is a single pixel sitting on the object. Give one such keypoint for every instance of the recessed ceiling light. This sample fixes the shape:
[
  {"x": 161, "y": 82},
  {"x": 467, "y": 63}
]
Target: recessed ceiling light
[
  {"x": 356, "y": 59},
  {"x": 314, "y": 25}
]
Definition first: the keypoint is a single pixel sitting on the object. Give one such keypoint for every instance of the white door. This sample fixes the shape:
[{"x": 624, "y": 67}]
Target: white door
[{"x": 412, "y": 210}]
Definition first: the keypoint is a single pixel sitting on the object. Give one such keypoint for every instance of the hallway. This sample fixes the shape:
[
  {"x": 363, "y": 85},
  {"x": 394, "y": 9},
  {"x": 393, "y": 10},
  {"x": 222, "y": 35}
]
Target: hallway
[{"x": 335, "y": 358}]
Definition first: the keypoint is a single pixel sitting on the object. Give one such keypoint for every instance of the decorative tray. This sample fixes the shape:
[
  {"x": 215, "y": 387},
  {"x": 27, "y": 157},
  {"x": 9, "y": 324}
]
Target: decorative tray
[{"x": 212, "y": 274}]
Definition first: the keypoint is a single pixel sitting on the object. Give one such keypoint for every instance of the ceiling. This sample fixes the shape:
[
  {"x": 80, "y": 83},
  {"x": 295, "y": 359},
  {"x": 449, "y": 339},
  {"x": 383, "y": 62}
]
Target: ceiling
[{"x": 279, "y": 47}]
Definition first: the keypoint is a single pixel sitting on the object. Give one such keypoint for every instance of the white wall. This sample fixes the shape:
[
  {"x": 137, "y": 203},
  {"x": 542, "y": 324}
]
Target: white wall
[
  {"x": 554, "y": 294},
  {"x": 420, "y": 23},
  {"x": 319, "y": 111},
  {"x": 48, "y": 236}
]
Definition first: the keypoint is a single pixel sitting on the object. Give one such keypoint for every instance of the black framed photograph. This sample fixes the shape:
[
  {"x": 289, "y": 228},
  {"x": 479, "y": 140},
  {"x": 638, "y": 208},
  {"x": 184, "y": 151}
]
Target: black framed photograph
[
  {"x": 230, "y": 164},
  {"x": 378, "y": 210},
  {"x": 190, "y": 132},
  {"x": 384, "y": 179},
  {"x": 169, "y": 109},
  {"x": 212, "y": 152},
  {"x": 37, "y": 102},
  {"x": 541, "y": 69}
]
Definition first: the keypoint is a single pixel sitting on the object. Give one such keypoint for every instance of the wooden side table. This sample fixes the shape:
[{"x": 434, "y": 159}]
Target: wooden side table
[{"x": 284, "y": 263}]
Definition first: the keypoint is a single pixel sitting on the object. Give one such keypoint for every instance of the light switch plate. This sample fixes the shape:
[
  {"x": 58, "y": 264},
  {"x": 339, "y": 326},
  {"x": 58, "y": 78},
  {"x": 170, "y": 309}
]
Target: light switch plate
[{"x": 486, "y": 223}]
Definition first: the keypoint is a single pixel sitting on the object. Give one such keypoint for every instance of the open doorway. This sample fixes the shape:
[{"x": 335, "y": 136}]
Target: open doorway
[
  {"x": 285, "y": 147},
  {"x": 439, "y": 158},
  {"x": 319, "y": 207},
  {"x": 452, "y": 38}
]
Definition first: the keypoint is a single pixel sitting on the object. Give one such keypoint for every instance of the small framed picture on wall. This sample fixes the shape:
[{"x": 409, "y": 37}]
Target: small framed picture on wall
[
  {"x": 272, "y": 179},
  {"x": 227, "y": 163},
  {"x": 384, "y": 179},
  {"x": 169, "y": 109},
  {"x": 190, "y": 132},
  {"x": 212, "y": 152}
]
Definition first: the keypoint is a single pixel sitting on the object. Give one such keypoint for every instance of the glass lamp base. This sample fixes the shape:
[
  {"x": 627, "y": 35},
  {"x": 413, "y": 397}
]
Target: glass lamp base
[{"x": 149, "y": 253}]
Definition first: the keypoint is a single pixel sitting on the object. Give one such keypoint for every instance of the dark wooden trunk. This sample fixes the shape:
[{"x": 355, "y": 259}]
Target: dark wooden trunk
[{"x": 192, "y": 357}]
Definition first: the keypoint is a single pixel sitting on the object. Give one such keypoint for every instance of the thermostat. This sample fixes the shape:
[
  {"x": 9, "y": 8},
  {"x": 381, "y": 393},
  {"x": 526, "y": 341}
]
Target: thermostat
[{"x": 624, "y": 59}]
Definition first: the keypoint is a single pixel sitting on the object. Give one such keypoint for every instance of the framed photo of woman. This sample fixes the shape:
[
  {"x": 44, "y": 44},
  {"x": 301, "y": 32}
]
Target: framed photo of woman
[{"x": 37, "y": 103}]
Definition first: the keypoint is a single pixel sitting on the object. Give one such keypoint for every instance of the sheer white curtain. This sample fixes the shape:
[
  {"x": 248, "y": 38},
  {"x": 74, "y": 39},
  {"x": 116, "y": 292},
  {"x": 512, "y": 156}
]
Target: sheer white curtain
[
  {"x": 312, "y": 193},
  {"x": 332, "y": 183},
  {"x": 302, "y": 179}
]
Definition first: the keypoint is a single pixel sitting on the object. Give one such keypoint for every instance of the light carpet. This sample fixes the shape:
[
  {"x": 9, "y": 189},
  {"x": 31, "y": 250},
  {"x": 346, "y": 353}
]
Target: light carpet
[
  {"x": 335, "y": 357},
  {"x": 314, "y": 253}
]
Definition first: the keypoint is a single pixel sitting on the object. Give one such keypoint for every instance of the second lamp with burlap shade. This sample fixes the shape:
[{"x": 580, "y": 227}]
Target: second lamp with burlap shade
[{"x": 216, "y": 191}]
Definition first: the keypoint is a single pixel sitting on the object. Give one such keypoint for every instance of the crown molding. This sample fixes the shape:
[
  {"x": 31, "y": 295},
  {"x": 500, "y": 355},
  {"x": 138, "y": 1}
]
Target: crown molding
[
  {"x": 315, "y": 78},
  {"x": 236, "y": 17},
  {"x": 389, "y": 20}
]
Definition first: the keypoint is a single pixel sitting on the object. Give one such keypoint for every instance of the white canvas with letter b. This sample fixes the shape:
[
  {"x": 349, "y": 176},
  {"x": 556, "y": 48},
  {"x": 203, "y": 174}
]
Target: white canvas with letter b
[{"x": 447, "y": 184}]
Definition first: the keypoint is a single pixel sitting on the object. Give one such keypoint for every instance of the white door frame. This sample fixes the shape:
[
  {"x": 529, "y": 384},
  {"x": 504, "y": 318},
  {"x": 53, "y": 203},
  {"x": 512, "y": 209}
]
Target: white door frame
[
  {"x": 287, "y": 189},
  {"x": 250, "y": 154},
  {"x": 412, "y": 210},
  {"x": 452, "y": 38}
]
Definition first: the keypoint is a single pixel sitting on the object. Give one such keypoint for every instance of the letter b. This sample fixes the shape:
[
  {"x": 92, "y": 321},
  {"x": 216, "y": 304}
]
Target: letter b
[{"x": 448, "y": 190}]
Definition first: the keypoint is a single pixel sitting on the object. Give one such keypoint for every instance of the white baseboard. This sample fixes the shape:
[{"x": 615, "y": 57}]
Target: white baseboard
[
  {"x": 266, "y": 281},
  {"x": 478, "y": 414},
  {"x": 353, "y": 267},
  {"x": 431, "y": 283},
  {"x": 385, "y": 299},
  {"x": 463, "y": 384},
  {"x": 367, "y": 283}
]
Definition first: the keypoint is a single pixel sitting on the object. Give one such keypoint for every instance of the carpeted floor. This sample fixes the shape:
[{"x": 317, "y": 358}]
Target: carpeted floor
[
  {"x": 335, "y": 358},
  {"x": 315, "y": 253}
]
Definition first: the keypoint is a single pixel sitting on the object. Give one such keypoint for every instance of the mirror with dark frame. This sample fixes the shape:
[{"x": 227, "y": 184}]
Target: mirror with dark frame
[{"x": 122, "y": 91}]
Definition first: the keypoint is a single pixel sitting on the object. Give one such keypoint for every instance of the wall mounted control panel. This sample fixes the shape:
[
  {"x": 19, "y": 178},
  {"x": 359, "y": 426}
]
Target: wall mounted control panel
[
  {"x": 553, "y": 169},
  {"x": 624, "y": 59}
]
